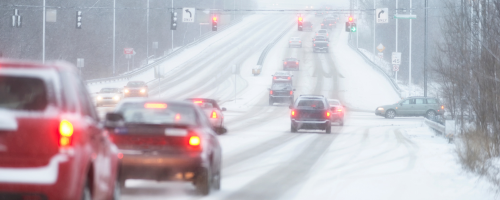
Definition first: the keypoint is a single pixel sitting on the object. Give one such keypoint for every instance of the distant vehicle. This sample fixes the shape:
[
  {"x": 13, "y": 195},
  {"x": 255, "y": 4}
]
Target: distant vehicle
[
  {"x": 213, "y": 112},
  {"x": 328, "y": 23},
  {"x": 291, "y": 64},
  {"x": 337, "y": 111},
  {"x": 323, "y": 32},
  {"x": 109, "y": 96},
  {"x": 281, "y": 76},
  {"x": 319, "y": 38},
  {"x": 166, "y": 141},
  {"x": 295, "y": 42},
  {"x": 256, "y": 70},
  {"x": 280, "y": 92},
  {"x": 310, "y": 112},
  {"x": 307, "y": 26},
  {"x": 320, "y": 46},
  {"x": 412, "y": 106},
  {"x": 318, "y": 14},
  {"x": 136, "y": 89},
  {"x": 52, "y": 143}
]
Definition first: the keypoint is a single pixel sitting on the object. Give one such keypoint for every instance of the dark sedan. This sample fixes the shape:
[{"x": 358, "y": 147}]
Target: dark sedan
[{"x": 280, "y": 92}]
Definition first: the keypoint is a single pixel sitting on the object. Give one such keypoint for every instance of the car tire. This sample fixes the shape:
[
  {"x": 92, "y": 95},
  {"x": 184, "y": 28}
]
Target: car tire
[
  {"x": 390, "y": 114},
  {"x": 328, "y": 128},
  {"x": 271, "y": 101},
  {"x": 293, "y": 129},
  {"x": 202, "y": 182},
  {"x": 86, "y": 194},
  {"x": 430, "y": 115}
]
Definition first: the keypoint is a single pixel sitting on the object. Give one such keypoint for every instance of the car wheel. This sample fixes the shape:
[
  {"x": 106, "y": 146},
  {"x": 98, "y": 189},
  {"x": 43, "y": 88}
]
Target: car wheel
[
  {"x": 390, "y": 114},
  {"x": 86, "y": 195},
  {"x": 271, "y": 101},
  {"x": 293, "y": 129},
  {"x": 202, "y": 182},
  {"x": 430, "y": 114},
  {"x": 116, "y": 190},
  {"x": 328, "y": 128}
]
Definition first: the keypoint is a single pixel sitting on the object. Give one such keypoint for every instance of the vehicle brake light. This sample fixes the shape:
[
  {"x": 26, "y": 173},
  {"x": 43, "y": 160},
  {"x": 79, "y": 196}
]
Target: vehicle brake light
[
  {"x": 120, "y": 155},
  {"x": 290, "y": 41},
  {"x": 321, "y": 24},
  {"x": 327, "y": 45},
  {"x": 194, "y": 141},
  {"x": 65, "y": 133},
  {"x": 442, "y": 107},
  {"x": 214, "y": 114},
  {"x": 291, "y": 92},
  {"x": 314, "y": 44},
  {"x": 300, "y": 41},
  {"x": 177, "y": 116},
  {"x": 271, "y": 92},
  {"x": 284, "y": 63},
  {"x": 155, "y": 105},
  {"x": 328, "y": 114},
  {"x": 288, "y": 78},
  {"x": 274, "y": 78},
  {"x": 339, "y": 110},
  {"x": 198, "y": 101},
  {"x": 316, "y": 34},
  {"x": 293, "y": 112},
  {"x": 297, "y": 62}
]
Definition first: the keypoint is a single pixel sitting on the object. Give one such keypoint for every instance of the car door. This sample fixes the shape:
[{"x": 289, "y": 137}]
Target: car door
[
  {"x": 405, "y": 107},
  {"x": 419, "y": 107}
]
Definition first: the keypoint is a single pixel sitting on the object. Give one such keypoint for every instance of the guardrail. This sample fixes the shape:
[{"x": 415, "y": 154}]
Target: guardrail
[
  {"x": 135, "y": 72},
  {"x": 263, "y": 55},
  {"x": 394, "y": 85},
  {"x": 447, "y": 130}
]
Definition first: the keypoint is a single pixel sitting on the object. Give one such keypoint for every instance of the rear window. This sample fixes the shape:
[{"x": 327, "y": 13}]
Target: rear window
[
  {"x": 334, "y": 103},
  {"x": 281, "y": 86},
  {"x": 158, "y": 113},
  {"x": 204, "y": 104},
  {"x": 23, "y": 93},
  {"x": 432, "y": 101},
  {"x": 136, "y": 84},
  {"x": 311, "y": 103},
  {"x": 322, "y": 31}
]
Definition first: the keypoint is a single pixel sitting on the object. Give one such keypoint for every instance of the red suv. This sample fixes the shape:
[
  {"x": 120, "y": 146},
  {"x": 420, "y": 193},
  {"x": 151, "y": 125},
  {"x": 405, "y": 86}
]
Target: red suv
[{"x": 52, "y": 145}]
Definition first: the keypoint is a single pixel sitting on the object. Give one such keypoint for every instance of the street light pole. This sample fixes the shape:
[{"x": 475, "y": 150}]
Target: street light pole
[
  {"x": 43, "y": 33},
  {"x": 147, "y": 33},
  {"x": 409, "y": 68},
  {"x": 172, "y": 30},
  {"x": 114, "y": 39}
]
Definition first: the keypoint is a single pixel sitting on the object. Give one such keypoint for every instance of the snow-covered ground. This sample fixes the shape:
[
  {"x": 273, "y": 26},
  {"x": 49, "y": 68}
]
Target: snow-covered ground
[{"x": 370, "y": 157}]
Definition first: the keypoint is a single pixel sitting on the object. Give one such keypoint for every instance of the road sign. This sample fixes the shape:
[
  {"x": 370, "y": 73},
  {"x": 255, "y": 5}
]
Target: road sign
[
  {"x": 395, "y": 68},
  {"x": 396, "y": 58},
  {"x": 79, "y": 62},
  {"x": 380, "y": 47},
  {"x": 382, "y": 15},
  {"x": 128, "y": 51},
  {"x": 188, "y": 14},
  {"x": 381, "y": 55}
]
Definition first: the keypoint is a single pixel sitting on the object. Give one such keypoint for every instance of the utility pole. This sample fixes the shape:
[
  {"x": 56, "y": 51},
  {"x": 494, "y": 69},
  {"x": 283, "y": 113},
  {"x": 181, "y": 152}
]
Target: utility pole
[
  {"x": 147, "y": 33},
  {"x": 172, "y": 30},
  {"x": 374, "y": 28},
  {"x": 114, "y": 35},
  {"x": 43, "y": 33},
  {"x": 409, "y": 68},
  {"x": 397, "y": 36},
  {"x": 425, "y": 48}
]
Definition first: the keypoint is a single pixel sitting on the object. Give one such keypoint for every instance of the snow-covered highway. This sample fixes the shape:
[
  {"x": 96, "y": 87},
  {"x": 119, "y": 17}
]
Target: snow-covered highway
[{"x": 370, "y": 157}]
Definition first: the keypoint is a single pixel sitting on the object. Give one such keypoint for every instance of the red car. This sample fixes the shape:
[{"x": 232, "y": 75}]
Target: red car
[
  {"x": 214, "y": 113},
  {"x": 51, "y": 143}
]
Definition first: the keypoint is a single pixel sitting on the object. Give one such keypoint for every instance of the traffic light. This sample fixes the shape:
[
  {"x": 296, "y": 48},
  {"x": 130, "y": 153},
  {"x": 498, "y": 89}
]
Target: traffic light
[
  {"x": 78, "y": 19},
  {"x": 351, "y": 19},
  {"x": 353, "y": 27},
  {"x": 347, "y": 27},
  {"x": 299, "y": 24},
  {"x": 173, "y": 21},
  {"x": 214, "y": 23}
]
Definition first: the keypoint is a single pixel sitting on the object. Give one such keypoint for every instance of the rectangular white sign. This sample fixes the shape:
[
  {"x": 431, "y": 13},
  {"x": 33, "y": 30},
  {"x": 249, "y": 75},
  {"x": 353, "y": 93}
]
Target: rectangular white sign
[
  {"x": 382, "y": 15},
  {"x": 188, "y": 14},
  {"x": 396, "y": 58}
]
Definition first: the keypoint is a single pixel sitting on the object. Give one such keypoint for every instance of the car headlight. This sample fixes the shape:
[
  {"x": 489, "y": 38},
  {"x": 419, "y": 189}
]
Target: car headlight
[
  {"x": 99, "y": 98},
  {"x": 126, "y": 91},
  {"x": 143, "y": 90},
  {"x": 381, "y": 109},
  {"x": 116, "y": 98}
]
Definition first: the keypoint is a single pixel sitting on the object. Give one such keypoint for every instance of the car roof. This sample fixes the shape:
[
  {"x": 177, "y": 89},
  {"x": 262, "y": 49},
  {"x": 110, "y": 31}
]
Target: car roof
[
  {"x": 22, "y": 64},
  {"x": 291, "y": 59},
  {"x": 204, "y": 99},
  {"x": 155, "y": 100},
  {"x": 281, "y": 73},
  {"x": 420, "y": 97}
]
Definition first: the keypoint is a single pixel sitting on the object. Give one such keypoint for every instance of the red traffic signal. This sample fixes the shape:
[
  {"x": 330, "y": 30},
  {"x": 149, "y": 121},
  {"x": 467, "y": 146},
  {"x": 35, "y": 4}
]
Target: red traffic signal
[
  {"x": 300, "y": 19},
  {"x": 214, "y": 19},
  {"x": 351, "y": 19}
]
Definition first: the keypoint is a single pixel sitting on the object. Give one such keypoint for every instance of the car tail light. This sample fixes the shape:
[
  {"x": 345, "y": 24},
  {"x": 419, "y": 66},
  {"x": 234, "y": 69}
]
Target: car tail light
[
  {"x": 327, "y": 45},
  {"x": 198, "y": 102},
  {"x": 284, "y": 63},
  {"x": 271, "y": 92},
  {"x": 297, "y": 62},
  {"x": 314, "y": 44},
  {"x": 288, "y": 78},
  {"x": 442, "y": 107},
  {"x": 293, "y": 113},
  {"x": 214, "y": 115},
  {"x": 300, "y": 41},
  {"x": 327, "y": 114},
  {"x": 339, "y": 110},
  {"x": 274, "y": 78},
  {"x": 316, "y": 34},
  {"x": 177, "y": 116},
  {"x": 120, "y": 155},
  {"x": 126, "y": 91},
  {"x": 290, "y": 41},
  {"x": 321, "y": 24},
  {"x": 65, "y": 133},
  {"x": 291, "y": 92},
  {"x": 194, "y": 141},
  {"x": 155, "y": 105},
  {"x": 330, "y": 25}
]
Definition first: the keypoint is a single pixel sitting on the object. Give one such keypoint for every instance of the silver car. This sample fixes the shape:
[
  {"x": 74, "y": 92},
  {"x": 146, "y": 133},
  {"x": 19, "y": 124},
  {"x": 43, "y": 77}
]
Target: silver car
[
  {"x": 108, "y": 96},
  {"x": 295, "y": 42},
  {"x": 323, "y": 32}
]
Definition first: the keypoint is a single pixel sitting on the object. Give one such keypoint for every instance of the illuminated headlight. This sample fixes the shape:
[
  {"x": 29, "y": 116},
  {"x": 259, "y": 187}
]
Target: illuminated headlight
[
  {"x": 143, "y": 90},
  {"x": 126, "y": 91},
  {"x": 99, "y": 98},
  {"x": 116, "y": 98},
  {"x": 381, "y": 109}
]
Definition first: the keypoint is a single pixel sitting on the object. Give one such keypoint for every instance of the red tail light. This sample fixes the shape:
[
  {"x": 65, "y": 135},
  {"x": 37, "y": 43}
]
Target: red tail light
[
  {"x": 314, "y": 44},
  {"x": 300, "y": 41},
  {"x": 327, "y": 114},
  {"x": 290, "y": 41},
  {"x": 297, "y": 62},
  {"x": 177, "y": 116},
  {"x": 328, "y": 45},
  {"x": 65, "y": 133},
  {"x": 291, "y": 92},
  {"x": 274, "y": 78},
  {"x": 293, "y": 113},
  {"x": 288, "y": 78},
  {"x": 442, "y": 107},
  {"x": 194, "y": 141},
  {"x": 339, "y": 110},
  {"x": 271, "y": 92},
  {"x": 198, "y": 101},
  {"x": 155, "y": 105},
  {"x": 214, "y": 114},
  {"x": 316, "y": 34}
]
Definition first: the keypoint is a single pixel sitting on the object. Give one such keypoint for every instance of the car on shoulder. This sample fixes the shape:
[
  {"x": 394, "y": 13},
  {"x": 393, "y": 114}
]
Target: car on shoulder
[
  {"x": 320, "y": 46},
  {"x": 291, "y": 64},
  {"x": 337, "y": 111},
  {"x": 323, "y": 32},
  {"x": 295, "y": 42},
  {"x": 52, "y": 145},
  {"x": 213, "y": 112},
  {"x": 428, "y": 107},
  {"x": 307, "y": 26},
  {"x": 108, "y": 96},
  {"x": 281, "y": 92},
  {"x": 281, "y": 76},
  {"x": 310, "y": 112},
  {"x": 135, "y": 89},
  {"x": 165, "y": 141}
]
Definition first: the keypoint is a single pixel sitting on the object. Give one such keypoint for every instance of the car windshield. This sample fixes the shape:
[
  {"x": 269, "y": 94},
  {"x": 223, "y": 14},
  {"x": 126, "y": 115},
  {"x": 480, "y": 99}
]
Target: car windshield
[
  {"x": 110, "y": 90},
  {"x": 22, "y": 93},
  {"x": 334, "y": 103},
  {"x": 312, "y": 104},
  {"x": 136, "y": 84},
  {"x": 281, "y": 86},
  {"x": 158, "y": 113}
]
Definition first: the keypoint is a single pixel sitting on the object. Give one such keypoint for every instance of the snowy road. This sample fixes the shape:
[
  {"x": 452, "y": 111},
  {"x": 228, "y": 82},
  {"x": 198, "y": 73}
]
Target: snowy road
[{"x": 369, "y": 158}]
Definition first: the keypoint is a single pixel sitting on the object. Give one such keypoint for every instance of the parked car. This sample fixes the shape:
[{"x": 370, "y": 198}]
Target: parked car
[
  {"x": 412, "y": 106},
  {"x": 52, "y": 145}
]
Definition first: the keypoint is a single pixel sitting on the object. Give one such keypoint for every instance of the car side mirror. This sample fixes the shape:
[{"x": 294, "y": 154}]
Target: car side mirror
[
  {"x": 224, "y": 109},
  {"x": 114, "y": 120}
]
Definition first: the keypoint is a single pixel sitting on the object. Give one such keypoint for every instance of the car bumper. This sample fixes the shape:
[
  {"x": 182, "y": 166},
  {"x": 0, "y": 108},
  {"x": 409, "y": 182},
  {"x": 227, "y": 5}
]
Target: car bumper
[
  {"x": 160, "y": 167},
  {"x": 108, "y": 101},
  {"x": 315, "y": 125},
  {"x": 135, "y": 94},
  {"x": 380, "y": 112}
]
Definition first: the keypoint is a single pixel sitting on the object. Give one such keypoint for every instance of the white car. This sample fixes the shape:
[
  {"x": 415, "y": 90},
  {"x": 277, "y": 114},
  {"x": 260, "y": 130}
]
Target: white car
[
  {"x": 295, "y": 42},
  {"x": 323, "y": 32},
  {"x": 108, "y": 96}
]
